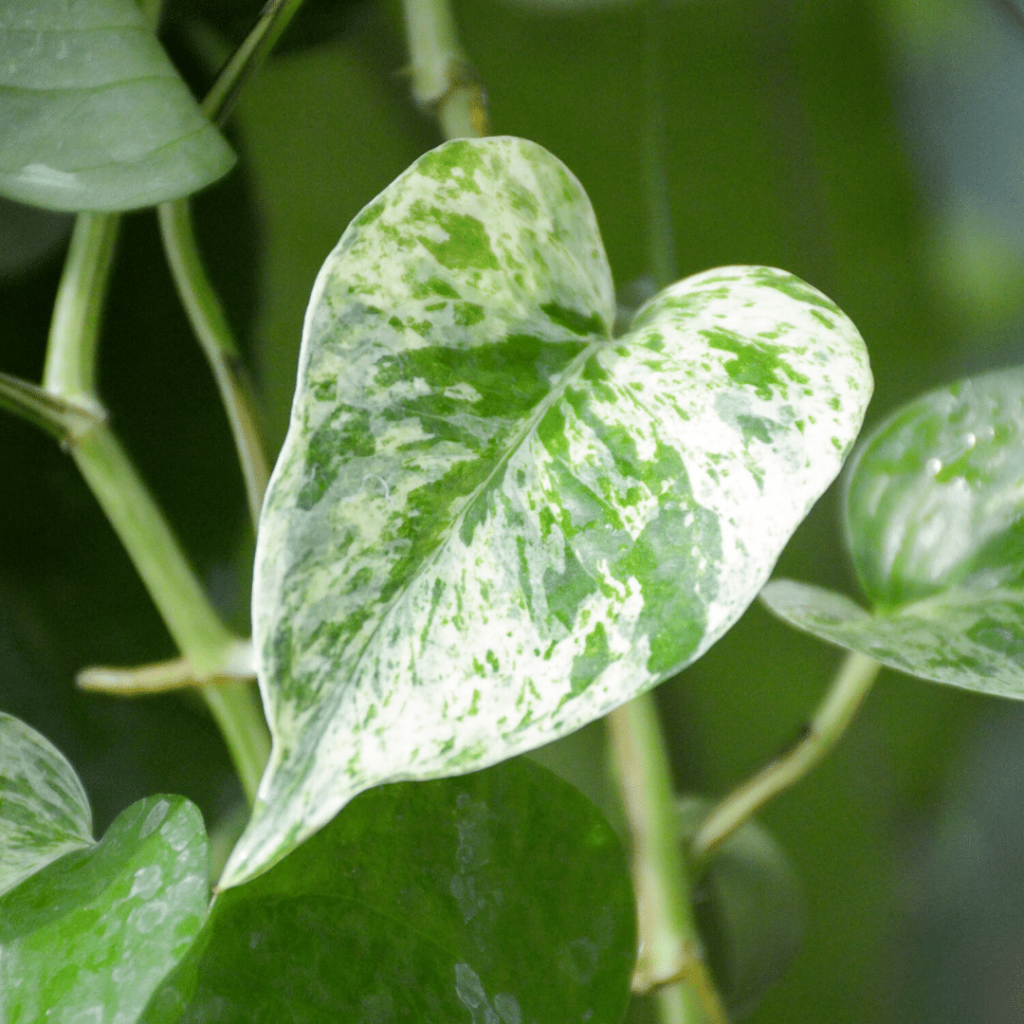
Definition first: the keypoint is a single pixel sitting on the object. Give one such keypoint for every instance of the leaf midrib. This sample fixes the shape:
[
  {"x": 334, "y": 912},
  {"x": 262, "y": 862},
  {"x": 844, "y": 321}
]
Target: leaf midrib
[{"x": 569, "y": 375}]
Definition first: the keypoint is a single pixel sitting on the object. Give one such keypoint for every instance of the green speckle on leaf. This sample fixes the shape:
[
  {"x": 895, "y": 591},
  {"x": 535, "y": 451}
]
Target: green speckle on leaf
[
  {"x": 760, "y": 366},
  {"x": 596, "y": 657},
  {"x": 468, "y": 245}
]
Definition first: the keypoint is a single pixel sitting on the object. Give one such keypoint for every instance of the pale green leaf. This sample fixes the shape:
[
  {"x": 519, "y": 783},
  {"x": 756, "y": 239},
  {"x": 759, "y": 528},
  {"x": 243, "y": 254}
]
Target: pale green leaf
[
  {"x": 491, "y": 522},
  {"x": 90, "y": 936},
  {"x": 936, "y": 496},
  {"x": 968, "y": 638},
  {"x": 44, "y": 812},
  {"x": 93, "y": 115},
  {"x": 935, "y": 520}
]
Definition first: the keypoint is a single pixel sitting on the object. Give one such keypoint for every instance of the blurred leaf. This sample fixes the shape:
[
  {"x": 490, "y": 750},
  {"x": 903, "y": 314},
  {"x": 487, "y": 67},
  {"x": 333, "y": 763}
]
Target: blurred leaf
[
  {"x": 513, "y": 519},
  {"x": 750, "y": 909},
  {"x": 91, "y": 935},
  {"x": 502, "y": 896},
  {"x": 93, "y": 115},
  {"x": 935, "y": 520},
  {"x": 44, "y": 812}
]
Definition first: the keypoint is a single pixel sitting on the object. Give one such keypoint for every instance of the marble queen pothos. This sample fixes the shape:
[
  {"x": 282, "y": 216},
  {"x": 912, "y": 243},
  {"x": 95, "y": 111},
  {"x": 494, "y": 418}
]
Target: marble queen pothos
[{"x": 492, "y": 521}]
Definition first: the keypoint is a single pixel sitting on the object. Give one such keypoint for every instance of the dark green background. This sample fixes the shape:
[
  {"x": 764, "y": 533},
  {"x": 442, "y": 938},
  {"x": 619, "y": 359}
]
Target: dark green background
[{"x": 874, "y": 147}]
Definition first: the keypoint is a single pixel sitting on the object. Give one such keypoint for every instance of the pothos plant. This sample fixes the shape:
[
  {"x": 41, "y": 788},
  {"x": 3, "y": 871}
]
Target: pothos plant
[{"x": 496, "y": 517}]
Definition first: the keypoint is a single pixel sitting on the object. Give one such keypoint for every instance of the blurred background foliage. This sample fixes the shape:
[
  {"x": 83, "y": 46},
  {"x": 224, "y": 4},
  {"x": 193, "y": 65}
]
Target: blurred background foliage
[{"x": 874, "y": 147}]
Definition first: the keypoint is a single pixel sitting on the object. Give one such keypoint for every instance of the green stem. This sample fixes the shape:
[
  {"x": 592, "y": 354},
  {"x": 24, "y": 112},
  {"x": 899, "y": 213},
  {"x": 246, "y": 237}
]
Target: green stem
[
  {"x": 670, "y": 946},
  {"x": 443, "y": 82},
  {"x": 246, "y": 60},
  {"x": 852, "y": 684},
  {"x": 218, "y": 344},
  {"x": 660, "y": 235},
  {"x": 70, "y": 374},
  {"x": 70, "y": 369},
  {"x": 61, "y": 418}
]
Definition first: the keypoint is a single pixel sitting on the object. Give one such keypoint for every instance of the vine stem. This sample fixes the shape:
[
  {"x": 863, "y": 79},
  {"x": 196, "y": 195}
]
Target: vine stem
[
  {"x": 195, "y": 290},
  {"x": 852, "y": 684},
  {"x": 443, "y": 81},
  {"x": 670, "y": 947},
  {"x": 70, "y": 375},
  {"x": 217, "y": 341},
  {"x": 661, "y": 236}
]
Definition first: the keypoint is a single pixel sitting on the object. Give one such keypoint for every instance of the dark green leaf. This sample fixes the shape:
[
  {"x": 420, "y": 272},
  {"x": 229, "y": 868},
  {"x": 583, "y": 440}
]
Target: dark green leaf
[
  {"x": 44, "y": 812},
  {"x": 93, "y": 115},
  {"x": 88, "y": 937},
  {"x": 501, "y": 897},
  {"x": 750, "y": 908}
]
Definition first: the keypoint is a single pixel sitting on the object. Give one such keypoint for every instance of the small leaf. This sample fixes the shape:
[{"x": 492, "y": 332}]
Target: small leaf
[
  {"x": 500, "y": 898},
  {"x": 935, "y": 520},
  {"x": 936, "y": 497},
  {"x": 44, "y": 812},
  {"x": 492, "y": 522},
  {"x": 93, "y": 115},
  {"x": 90, "y": 936},
  {"x": 968, "y": 638}
]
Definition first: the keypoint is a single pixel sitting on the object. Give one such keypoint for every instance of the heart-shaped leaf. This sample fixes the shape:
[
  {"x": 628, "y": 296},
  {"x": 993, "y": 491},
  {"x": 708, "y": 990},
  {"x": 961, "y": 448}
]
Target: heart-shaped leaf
[
  {"x": 90, "y": 936},
  {"x": 93, "y": 115},
  {"x": 492, "y": 522},
  {"x": 935, "y": 521},
  {"x": 44, "y": 812},
  {"x": 501, "y": 898}
]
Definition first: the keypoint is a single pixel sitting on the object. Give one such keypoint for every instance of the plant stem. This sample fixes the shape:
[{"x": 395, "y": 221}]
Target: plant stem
[
  {"x": 852, "y": 684},
  {"x": 660, "y": 236},
  {"x": 61, "y": 418},
  {"x": 70, "y": 374},
  {"x": 70, "y": 369},
  {"x": 246, "y": 60},
  {"x": 443, "y": 82},
  {"x": 218, "y": 344},
  {"x": 670, "y": 947}
]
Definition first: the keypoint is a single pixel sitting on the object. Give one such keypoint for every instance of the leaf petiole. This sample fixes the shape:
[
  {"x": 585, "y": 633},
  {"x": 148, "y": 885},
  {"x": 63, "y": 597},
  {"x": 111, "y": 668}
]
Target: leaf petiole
[{"x": 852, "y": 684}]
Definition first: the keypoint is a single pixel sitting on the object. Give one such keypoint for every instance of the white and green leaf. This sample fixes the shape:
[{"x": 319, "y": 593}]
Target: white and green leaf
[
  {"x": 935, "y": 521},
  {"x": 491, "y": 521},
  {"x": 44, "y": 812}
]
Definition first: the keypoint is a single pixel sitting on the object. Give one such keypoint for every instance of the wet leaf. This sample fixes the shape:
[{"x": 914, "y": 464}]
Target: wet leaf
[
  {"x": 501, "y": 897},
  {"x": 90, "y": 936},
  {"x": 44, "y": 812},
  {"x": 491, "y": 522},
  {"x": 935, "y": 520},
  {"x": 93, "y": 115}
]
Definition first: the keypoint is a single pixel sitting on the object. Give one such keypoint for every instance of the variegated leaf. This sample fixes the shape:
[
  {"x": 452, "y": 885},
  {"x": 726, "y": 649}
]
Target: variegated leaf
[
  {"x": 492, "y": 522},
  {"x": 935, "y": 522},
  {"x": 44, "y": 812}
]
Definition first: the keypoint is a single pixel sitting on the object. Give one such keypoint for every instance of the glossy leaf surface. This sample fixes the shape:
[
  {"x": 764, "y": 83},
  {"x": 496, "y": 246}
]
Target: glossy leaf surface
[
  {"x": 491, "y": 522},
  {"x": 93, "y": 116},
  {"x": 935, "y": 520},
  {"x": 88, "y": 937},
  {"x": 44, "y": 812},
  {"x": 501, "y": 897},
  {"x": 936, "y": 498}
]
